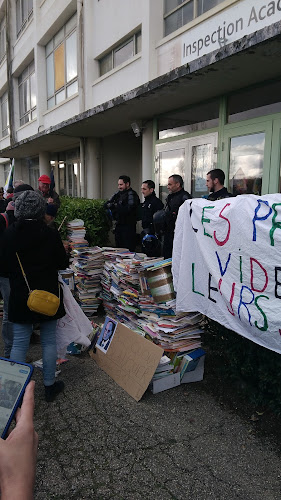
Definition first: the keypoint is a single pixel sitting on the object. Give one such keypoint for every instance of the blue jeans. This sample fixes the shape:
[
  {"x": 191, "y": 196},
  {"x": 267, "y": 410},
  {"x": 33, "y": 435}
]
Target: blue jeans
[
  {"x": 7, "y": 327},
  {"x": 22, "y": 334}
]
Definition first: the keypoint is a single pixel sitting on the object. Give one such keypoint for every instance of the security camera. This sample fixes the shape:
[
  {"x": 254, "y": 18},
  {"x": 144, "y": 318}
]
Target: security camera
[{"x": 136, "y": 129}]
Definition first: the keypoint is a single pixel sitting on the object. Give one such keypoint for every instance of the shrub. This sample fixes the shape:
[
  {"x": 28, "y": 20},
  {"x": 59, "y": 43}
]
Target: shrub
[
  {"x": 255, "y": 370},
  {"x": 91, "y": 212}
]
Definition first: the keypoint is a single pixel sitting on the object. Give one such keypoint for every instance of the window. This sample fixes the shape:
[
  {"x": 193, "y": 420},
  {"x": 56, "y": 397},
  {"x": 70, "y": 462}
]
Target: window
[
  {"x": 196, "y": 118},
  {"x": 61, "y": 64},
  {"x": 24, "y": 11},
  {"x": 32, "y": 164},
  {"x": 121, "y": 53},
  {"x": 253, "y": 102},
  {"x": 4, "y": 115},
  {"x": 2, "y": 39},
  {"x": 7, "y": 168},
  {"x": 246, "y": 163},
  {"x": 27, "y": 94},
  {"x": 177, "y": 13}
]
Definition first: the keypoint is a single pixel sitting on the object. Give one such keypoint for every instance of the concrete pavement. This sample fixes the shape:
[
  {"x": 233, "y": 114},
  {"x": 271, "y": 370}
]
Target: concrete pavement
[{"x": 96, "y": 442}]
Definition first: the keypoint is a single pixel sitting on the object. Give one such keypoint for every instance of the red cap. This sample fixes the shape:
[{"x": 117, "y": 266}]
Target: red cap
[{"x": 45, "y": 179}]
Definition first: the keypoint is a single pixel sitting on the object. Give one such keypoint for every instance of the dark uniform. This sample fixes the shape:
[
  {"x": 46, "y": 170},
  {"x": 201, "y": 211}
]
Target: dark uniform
[
  {"x": 173, "y": 203},
  {"x": 149, "y": 207},
  {"x": 219, "y": 195},
  {"x": 123, "y": 206}
]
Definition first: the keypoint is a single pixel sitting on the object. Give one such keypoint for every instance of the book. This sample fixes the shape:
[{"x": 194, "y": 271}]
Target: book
[{"x": 190, "y": 361}]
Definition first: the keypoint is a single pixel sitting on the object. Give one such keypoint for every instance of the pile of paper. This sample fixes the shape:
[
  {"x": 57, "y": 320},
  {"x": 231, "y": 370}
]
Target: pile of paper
[
  {"x": 88, "y": 268},
  {"x": 76, "y": 234},
  {"x": 164, "y": 368},
  {"x": 126, "y": 297}
]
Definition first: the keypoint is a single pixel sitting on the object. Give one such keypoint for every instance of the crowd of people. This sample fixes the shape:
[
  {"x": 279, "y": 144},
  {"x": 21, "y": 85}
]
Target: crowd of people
[
  {"x": 31, "y": 247},
  {"x": 31, "y": 253},
  {"x": 158, "y": 221}
]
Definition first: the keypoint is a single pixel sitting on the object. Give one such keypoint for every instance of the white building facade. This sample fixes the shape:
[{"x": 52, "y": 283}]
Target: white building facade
[{"x": 99, "y": 88}]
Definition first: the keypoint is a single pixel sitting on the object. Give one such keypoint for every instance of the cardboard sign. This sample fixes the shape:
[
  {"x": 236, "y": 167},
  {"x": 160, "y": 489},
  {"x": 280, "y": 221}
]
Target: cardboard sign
[
  {"x": 130, "y": 360},
  {"x": 227, "y": 265}
]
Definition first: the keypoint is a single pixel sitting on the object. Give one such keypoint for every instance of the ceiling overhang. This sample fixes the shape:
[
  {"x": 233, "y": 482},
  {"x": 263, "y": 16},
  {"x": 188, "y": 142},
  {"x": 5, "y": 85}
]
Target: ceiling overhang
[{"x": 248, "y": 61}]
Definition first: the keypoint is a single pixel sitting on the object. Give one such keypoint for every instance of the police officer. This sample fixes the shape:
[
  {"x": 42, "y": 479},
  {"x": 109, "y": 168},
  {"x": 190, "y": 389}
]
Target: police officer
[
  {"x": 123, "y": 206},
  {"x": 149, "y": 207},
  {"x": 215, "y": 184},
  {"x": 176, "y": 197}
]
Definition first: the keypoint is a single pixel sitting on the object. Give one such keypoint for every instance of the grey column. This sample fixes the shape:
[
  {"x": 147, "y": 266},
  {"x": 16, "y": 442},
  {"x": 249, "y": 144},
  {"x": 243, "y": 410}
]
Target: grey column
[{"x": 93, "y": 168}]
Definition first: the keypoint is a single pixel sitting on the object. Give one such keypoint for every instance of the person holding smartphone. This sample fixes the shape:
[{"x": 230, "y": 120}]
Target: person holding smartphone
[
  {"x": 18, "y": 453},
  {"x": 42, "y": 254}
]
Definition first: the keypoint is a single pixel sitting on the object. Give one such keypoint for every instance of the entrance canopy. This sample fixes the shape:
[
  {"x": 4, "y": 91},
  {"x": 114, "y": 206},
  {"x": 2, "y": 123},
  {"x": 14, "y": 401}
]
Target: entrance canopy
[{"x": 250, "y": 60}]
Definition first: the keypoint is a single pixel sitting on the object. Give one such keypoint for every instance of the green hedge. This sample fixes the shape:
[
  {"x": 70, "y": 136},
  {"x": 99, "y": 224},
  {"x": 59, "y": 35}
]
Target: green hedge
[
  {"x": 91, "y": 212},
  {"x": 255, "y": 370}
]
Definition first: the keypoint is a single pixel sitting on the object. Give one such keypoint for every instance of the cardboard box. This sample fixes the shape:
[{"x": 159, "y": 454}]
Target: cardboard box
[
  {"x": 195, "y": 375},
  {"x": 162, "y": 384}
]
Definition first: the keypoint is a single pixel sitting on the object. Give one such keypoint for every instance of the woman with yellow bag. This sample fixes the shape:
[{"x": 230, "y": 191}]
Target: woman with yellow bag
[{"x": 31, "y": 255}]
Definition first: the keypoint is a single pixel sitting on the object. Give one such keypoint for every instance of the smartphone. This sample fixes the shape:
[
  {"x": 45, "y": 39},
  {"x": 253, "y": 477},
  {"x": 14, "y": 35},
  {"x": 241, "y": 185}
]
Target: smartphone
[{"x": 14, "y": 377}]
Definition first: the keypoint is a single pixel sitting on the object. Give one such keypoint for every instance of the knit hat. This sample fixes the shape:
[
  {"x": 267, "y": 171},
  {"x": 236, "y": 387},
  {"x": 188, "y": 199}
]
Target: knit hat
[
  {"x": 45, "y": 179},
  {"x": 20, "y": 188},
  {"x": 30, "y": 205},
  {"x": 51, "y": 209}
]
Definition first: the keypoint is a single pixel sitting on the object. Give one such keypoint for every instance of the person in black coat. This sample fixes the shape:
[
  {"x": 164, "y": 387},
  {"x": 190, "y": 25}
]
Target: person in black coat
[
  {"x": 42, "y": 254},
  {"x": 123, "y": 209},
  {"x": 215, "y": 184},
  {"x": 151, "y": 205},
  {"x": 174, "y": 200}
]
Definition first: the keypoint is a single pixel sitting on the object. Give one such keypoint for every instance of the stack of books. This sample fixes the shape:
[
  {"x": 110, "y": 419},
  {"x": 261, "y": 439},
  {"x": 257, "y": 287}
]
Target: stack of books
[
  {"x": 76, "y": 234},
  {"x": 164, "y": 368},
  {"x": 126, "y": 297},
  {"x": 88, "y": 268}
]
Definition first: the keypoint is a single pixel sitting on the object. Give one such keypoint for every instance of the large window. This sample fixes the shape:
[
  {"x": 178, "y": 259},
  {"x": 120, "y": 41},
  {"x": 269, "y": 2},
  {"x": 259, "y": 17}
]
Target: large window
[
  {"x": 193, "y": 119},
  {"x": 2, "y": 39},
  {"x": 4, "y": 115},
  {"x": 27, "y": 94},
  {"x": 121, "y": 53},
  {"x": 24, "y": 11},
  {"x": 177, "y": 13},
  {"x": 61, "y": 62}
]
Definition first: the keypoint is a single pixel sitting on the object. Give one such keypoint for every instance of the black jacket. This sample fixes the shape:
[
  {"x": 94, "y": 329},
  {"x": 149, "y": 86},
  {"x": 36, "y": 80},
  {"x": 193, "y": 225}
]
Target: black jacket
[
  {"x": 219, "y": 195},
  {"x": 173, "y": 203},
  {"x": 150, "y": 205},
  {"x": 42, "y": 254},
  {"x": 123, "y": 206}
]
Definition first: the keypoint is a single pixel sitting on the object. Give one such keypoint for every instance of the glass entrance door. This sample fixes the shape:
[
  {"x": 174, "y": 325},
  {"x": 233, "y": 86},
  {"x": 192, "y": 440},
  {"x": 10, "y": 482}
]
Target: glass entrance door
[
  {"x": 171, "y": 161},
  {"x": 246, "y": 152},
  {"x": 246, "y": 164},
  {"x": 191, "y": 158}
]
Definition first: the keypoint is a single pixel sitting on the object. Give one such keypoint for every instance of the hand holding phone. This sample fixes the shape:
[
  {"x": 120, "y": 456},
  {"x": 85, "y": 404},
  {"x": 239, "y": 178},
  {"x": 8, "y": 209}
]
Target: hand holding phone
[
  {"x": 18, "y": 453},
  {"x": 14, "y": 377}
]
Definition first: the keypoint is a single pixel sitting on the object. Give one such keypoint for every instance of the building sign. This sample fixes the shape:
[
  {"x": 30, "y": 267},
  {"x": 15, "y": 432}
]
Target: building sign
[
  {"x": 232, "y": 24},
  {"x": 227, "y": 264}
]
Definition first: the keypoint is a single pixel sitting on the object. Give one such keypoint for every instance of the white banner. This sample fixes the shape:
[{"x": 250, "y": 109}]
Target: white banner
[{"x": 227, "y": 264}]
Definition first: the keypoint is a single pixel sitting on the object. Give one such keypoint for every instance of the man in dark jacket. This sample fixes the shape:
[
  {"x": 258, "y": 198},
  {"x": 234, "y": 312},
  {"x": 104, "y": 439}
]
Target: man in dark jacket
[
  {"x": 174, "y": 200},
  {"x": 149, "y": 207},
  {"x": 215, "y": 184},
  {"x": 123, "y": 207}
]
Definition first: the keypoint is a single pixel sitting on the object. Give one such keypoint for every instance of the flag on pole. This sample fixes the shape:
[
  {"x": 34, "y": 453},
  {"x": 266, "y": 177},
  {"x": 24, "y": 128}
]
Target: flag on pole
[
  {"x": 52, "y": 185},
  {"x": 10, "y": 178}
]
